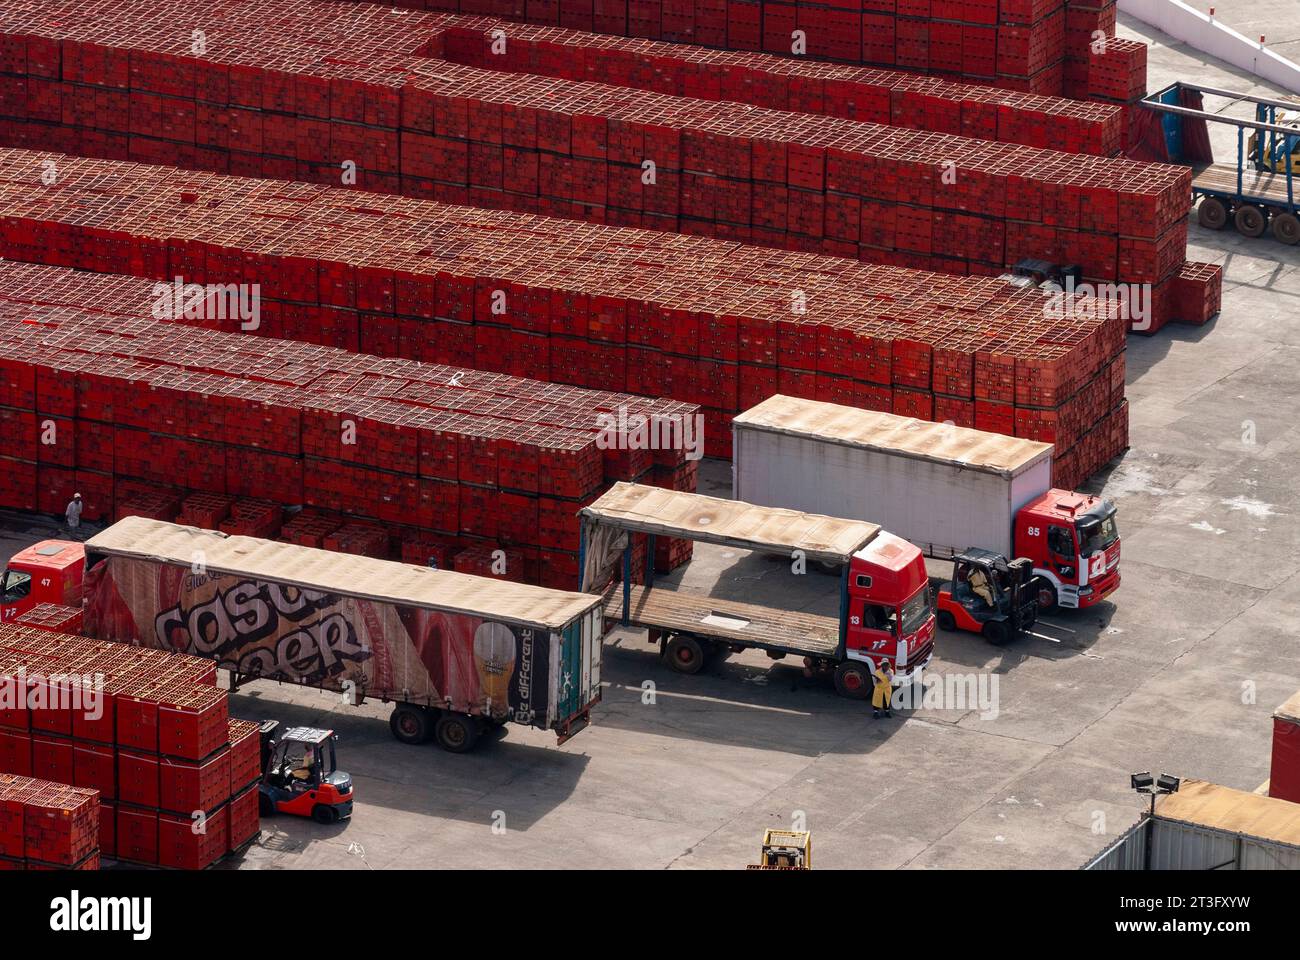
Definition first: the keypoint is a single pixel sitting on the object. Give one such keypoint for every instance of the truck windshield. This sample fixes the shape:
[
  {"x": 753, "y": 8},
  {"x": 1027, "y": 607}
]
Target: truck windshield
[
  {"x": 17, "y": 586},
  {"x": 916, "y": 611},
  {"x": 1097, "y": 531}
]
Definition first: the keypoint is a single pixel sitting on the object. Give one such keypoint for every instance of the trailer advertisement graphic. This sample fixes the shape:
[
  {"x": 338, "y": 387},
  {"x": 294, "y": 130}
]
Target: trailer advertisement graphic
[{"x": 279, "y": 631}]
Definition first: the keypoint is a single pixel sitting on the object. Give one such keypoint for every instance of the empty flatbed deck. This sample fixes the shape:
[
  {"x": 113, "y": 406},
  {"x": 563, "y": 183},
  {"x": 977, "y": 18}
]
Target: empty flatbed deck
[{"x": 726, "y": 620}]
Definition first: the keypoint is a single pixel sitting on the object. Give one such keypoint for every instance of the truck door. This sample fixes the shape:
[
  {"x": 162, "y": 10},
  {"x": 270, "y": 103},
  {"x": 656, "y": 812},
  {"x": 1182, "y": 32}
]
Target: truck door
[
  {"x": 17, "y": 595},
  {"x": 873, "y": 628},
  {"x": 1063, "y": 555}
]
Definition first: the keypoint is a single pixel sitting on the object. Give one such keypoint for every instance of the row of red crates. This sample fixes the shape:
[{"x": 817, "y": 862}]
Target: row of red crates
[
  {"x": 445, "y": 102},
  {"x": 157, "y": 838},
  {"x": 167, "y": 784},
  {"x": 706, "y": 301},
  {"x": 1013, "y": 41},
  {"x": 524, "y": 487},
  {"x": 45, "y": 825},
  {"x": 147, "y": 701},
  {"x": 133, "y": 750},
  {"x": 867, "y": 94}
]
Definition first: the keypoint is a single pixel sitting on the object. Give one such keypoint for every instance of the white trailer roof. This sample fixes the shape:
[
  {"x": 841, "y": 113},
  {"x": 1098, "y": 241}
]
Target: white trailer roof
[
  {"x": 343, "y": 573},
  {"x": 889, "y": 433},
  {"x": 732, "y": 523}
]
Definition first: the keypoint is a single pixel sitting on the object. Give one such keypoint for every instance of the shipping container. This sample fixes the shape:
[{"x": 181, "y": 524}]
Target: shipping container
[{"x": 445, "y": 647}]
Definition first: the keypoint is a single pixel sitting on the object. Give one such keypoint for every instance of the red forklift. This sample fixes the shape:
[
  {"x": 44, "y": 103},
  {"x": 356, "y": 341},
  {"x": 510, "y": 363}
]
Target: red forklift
[
  {"x": 300, "y": 776},
  {"x": 989, "y": 595}
]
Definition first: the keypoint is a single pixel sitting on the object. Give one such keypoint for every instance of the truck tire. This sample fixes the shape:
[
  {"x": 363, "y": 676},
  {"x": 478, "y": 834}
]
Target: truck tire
[
  {"x": 456, "y": 732},
  {"x": 1286, "y": 228},
  {"x": 1046, "y": 593},
  {"x": 324, "y": 813},
  {"x": 1212, "y": 213},
  {"x": 410, "y": 724},
  {"x": 853, "y": 680},
  {"x": 1250, "y": 220},
  {"x": 684, "y": 653},
  {"x": 946, "y": 621},
  {"x": 997, "y": 632}
]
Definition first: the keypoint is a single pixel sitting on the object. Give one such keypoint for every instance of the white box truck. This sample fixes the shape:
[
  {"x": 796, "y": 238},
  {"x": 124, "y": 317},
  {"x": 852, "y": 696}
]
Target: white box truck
[{"x": 944, "y": 488}]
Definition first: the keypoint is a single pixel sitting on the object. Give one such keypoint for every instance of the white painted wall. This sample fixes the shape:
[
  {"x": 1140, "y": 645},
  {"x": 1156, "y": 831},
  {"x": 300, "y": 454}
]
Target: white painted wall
[{"x": 1196, "y": 28}]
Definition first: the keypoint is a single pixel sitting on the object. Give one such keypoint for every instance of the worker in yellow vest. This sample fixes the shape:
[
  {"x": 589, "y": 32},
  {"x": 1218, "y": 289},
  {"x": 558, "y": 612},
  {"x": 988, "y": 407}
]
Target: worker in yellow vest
[{"x": 882, "y": 694}]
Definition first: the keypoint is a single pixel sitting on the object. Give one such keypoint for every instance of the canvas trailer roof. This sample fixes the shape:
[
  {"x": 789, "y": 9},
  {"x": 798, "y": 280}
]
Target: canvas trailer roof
[
  {"x": 731, "y": 523},
  {"x": 904, "y": 436},
  {"x": 343, "y": 573},
  {"x": 1204, "y": 804}
]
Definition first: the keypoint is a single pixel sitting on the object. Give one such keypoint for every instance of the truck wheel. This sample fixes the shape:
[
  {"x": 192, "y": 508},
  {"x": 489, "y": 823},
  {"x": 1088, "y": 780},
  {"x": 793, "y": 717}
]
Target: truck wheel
[
  {"x": 853, "y": 680},
  {"x": 1046, "y": 596},
  {"x": 324, "y": 813},
  {"x": 684, "y": 654},
  {"x": 1286, "y": 228},
  {"x": 409, "y": 724},
  {"x": 946, "y": 621},
  {"x": 456, "y": 732},
  {"x": 996, "y": 632},
  {"x": 1250, "y": 220},
  {"x": 1212, "y": 214}
]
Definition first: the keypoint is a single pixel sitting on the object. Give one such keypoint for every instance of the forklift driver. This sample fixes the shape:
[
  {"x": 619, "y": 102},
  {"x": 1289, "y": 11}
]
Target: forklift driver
[
  {"x": 307, "y": 770},
  {"x": 979, "y": 585}
]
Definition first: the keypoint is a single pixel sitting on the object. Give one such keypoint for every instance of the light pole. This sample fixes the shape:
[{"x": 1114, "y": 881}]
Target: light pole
[{"x": 1153, "y": 787}]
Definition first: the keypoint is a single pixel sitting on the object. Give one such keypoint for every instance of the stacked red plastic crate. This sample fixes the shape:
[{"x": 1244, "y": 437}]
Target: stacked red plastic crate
[
  {"x": 172, "y": 770},
  {"x": 1015, "y": 43},
  {"x": 867, "y": 94},
  {"x": 411, "y": 124},
  {"x": 47, "y": 826},
  {"x": 52, "y": 617},
  {"x": 389, "y": 449}
]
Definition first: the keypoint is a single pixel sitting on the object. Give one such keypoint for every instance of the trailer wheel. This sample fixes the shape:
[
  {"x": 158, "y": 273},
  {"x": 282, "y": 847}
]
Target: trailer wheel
[
  {"x": 456, "y": 732},
  {"x": 946, "y": 621},
  {"x": 1286, "y": 228},
  {"x": 1250, "y": 220},
  {"x": 684, "y": 653},
  {"x": 996, "y": 632},
  {"x": 409, "y": 724},
  {"x": 1212, "y": 213},
  {"x": 853, "y": 680}
]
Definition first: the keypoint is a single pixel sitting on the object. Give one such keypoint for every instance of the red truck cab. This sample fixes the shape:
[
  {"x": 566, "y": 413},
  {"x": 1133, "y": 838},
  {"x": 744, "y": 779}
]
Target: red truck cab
[
  {"x": 890, "y": 612},
  {"x": 47, "y": 572},
  {"x": 1073, "y": 541}
]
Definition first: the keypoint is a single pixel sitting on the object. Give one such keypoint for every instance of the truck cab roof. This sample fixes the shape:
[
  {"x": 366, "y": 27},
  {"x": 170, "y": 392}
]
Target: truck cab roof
[
  {"x": 50, "y": 555},
  {"x": 1063, "y": 504}
]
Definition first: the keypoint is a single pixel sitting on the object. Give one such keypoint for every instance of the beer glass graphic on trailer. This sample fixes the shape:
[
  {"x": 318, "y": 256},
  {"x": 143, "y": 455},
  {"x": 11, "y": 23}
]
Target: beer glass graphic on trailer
[{"x": 494, "y": 659}]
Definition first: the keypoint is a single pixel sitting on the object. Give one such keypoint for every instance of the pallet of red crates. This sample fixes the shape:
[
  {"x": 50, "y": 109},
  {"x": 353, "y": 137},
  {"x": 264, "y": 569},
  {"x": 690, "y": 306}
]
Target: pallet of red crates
[{"x": 47, "y": 826}]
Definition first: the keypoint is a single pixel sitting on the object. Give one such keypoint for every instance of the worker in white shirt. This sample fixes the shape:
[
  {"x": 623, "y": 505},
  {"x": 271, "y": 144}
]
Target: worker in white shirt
[{"x": 73, "y": 513}]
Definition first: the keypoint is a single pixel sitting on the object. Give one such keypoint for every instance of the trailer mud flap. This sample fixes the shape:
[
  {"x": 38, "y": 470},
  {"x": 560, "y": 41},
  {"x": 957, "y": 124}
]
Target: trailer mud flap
[{"x": 574, "y": 725}]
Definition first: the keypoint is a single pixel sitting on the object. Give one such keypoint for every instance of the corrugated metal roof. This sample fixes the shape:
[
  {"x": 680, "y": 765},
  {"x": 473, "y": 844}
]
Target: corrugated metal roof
[
  {"x": 907, "y": 436},
  {"x": 1233, "y": 811},
  {"x": 343, "y": 573},
  {"x": 632, "y": 506}
]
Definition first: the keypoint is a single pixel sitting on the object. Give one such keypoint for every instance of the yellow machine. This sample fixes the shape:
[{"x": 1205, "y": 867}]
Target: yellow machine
[
  {"x": 785, "y": 850},
  {"x": 1274, "y": 158}
]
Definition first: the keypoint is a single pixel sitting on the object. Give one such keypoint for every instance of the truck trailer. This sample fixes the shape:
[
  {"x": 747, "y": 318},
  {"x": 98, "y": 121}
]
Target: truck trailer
[
  {"x": 942, "y": 487},
  {"x": 886, "y": 611},
  {"x": 452, "y": 651}
]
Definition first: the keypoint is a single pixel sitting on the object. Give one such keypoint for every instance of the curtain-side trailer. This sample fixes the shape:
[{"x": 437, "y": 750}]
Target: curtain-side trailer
[{"x": 452, "y": 651}]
